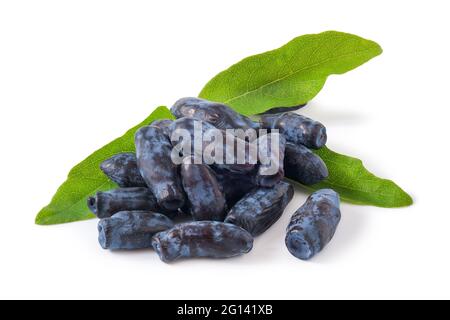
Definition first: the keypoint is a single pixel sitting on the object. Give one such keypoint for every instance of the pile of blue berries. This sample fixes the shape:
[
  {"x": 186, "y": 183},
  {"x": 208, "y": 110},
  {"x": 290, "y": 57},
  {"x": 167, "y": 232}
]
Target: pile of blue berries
[{"x": 215, "y": 210}]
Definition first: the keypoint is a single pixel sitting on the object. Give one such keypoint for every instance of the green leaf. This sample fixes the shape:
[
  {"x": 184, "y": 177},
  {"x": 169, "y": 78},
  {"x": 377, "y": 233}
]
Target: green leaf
[
  {"x": 291, "y": 75},
  {"x": 355, "y": 184},
  {"x": 86, "y": 178}
]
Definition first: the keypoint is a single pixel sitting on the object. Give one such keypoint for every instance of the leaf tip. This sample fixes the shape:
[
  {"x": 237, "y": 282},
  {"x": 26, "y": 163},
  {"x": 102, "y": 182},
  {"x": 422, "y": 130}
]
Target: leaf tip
[
  {"x": 407, "y": 199},
  {"x": 401, "y": 198},
  {"x": 378, "y": 49},
  {"x": 40, "y": 219},
  {"x": 44, "y": 217}
]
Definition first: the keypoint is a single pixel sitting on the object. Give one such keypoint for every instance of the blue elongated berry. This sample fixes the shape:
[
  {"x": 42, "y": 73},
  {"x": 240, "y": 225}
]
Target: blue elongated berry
[
  {"x": 153, "y": 151},
  {"x": 271, "y": 151},
  {"x": 235, "y": 186},
  {"x": 207, "y": 239},
  {"x": 313, "y": 225},
  {"x": 297, "y": 129},
  {"x": 206, "y": 199},
  {"x": 219, "y": 115},
  {"x": 261, "y": 208},
  {"x": 130, "y": 230},
  {"x": 122, "y": 169},
  {"x": 105, "y": 204},
  {"x": 164, "y": 125},
  {"x": 302, "y": 165}
]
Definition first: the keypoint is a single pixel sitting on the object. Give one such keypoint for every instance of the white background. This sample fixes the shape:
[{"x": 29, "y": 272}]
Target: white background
[{"x": 76, "y": 74}]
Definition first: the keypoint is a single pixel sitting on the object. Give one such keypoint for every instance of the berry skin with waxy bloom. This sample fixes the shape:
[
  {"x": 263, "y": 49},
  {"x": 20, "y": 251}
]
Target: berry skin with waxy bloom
[
  {"x": 217, "y": 114},
  {"x": 297, "y": 129},
  {"x": 303, "y": 165},
  {"x": 164, "y": 125},
  {"x": 261, "y": 208},
  {"x": 107, "y": 203},
  {"x": 131, "y": 230},
  {"x": 202, "y": 239},
  {"x": 206, "y": 199},
  {"x": 153, "y": 151},
  {"x": 314, "y": 224},
  {"x": 122, "y": 169}
]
